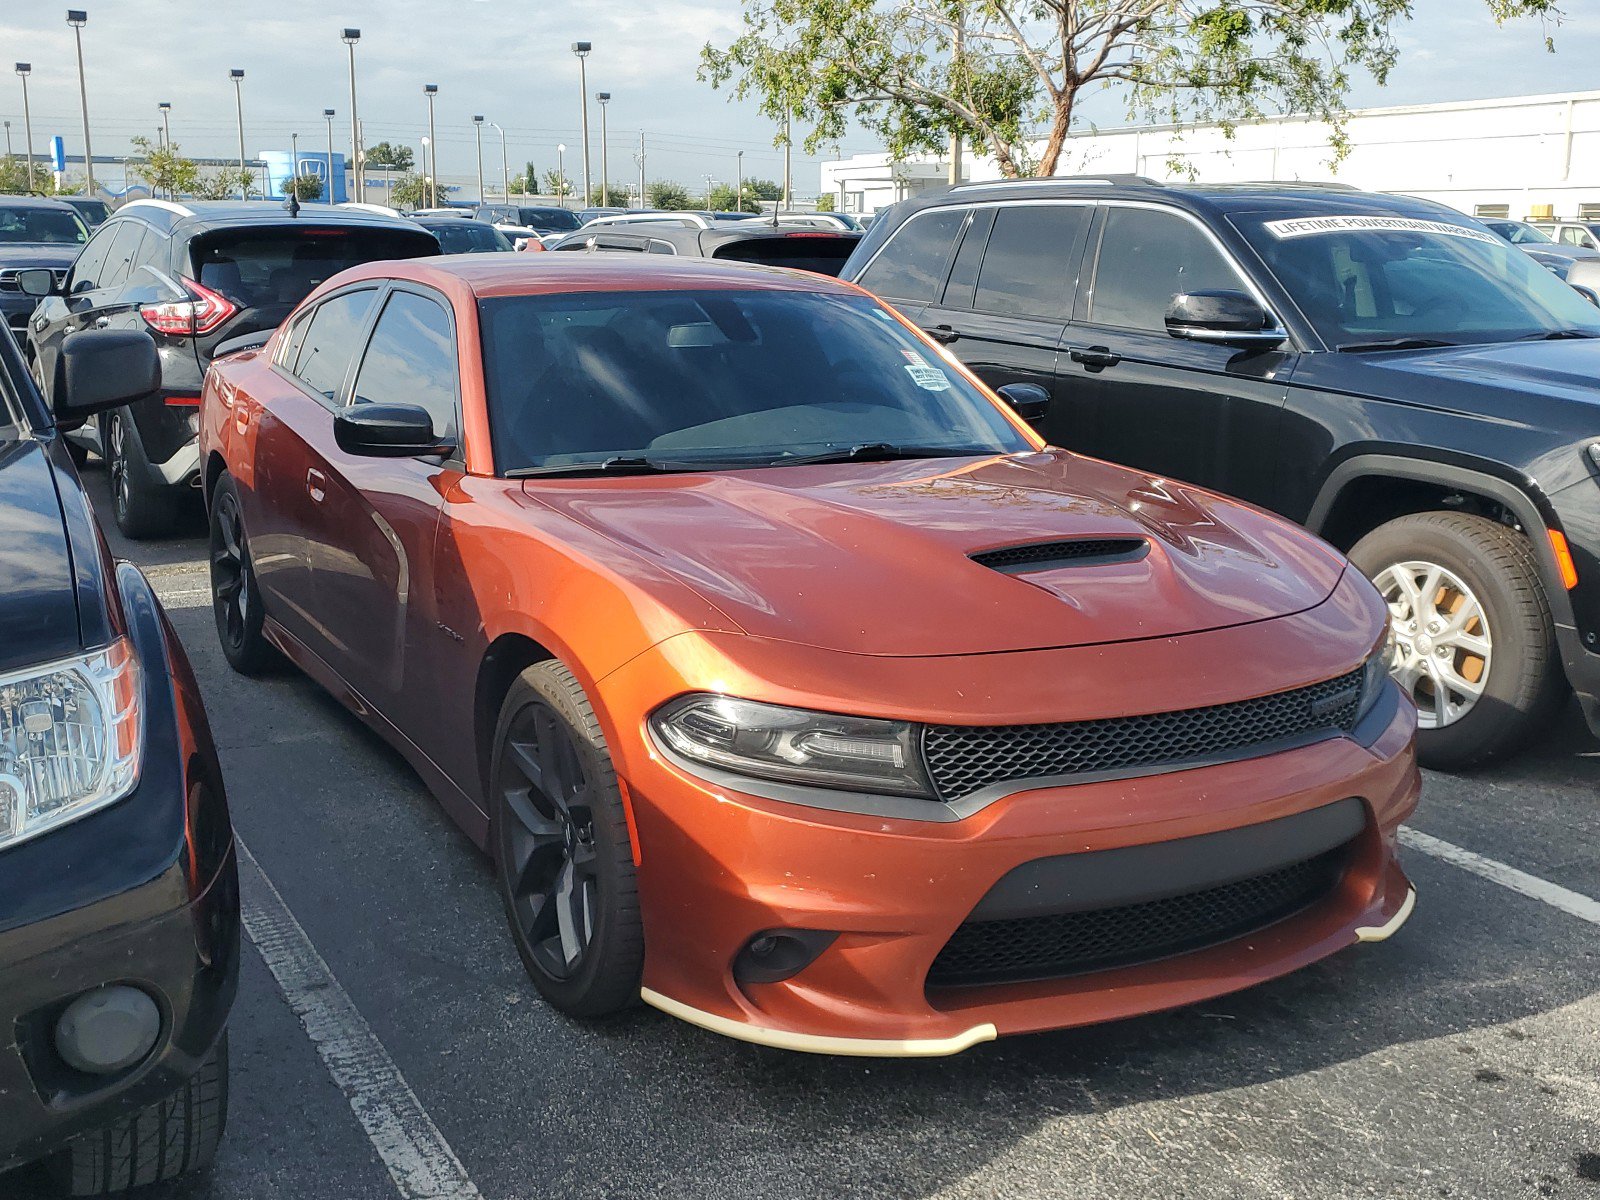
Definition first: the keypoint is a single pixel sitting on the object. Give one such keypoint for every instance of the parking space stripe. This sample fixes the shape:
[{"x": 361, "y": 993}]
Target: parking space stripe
[
  {"x": 420, "y": 1161},
  {"x": 1553, "y": 894}
]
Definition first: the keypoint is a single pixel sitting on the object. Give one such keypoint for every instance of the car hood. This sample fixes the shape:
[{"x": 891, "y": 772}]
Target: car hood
[
  {"x": 1567, "y": 370},
  {"x": 37, "y": 254},
  {"x": 876, "y": 558},
  {"x": 38, "y": 609}
]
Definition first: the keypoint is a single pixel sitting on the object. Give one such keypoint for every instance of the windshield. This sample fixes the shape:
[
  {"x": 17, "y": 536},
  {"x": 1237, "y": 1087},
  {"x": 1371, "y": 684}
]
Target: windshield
[
  {"x": 729, "y": 378},
  {"x": 469, "y": 237},
  {"x": 53, "y": 226},
  {"x": 548, "y": 220},
  {"x": 1362, "y": 279}
]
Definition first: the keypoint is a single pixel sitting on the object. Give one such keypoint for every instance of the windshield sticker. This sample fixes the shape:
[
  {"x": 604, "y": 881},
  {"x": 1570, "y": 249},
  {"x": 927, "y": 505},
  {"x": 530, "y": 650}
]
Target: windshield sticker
[
  {"x": 1302, "y": 226},
  {"x": 928, "y": 378}
]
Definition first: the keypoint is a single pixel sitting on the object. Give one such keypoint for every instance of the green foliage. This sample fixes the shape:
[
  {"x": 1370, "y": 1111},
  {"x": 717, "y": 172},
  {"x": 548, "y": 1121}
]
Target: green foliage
[
  {"x": 306, "y": 187},
  {"x": 1006, "y": 74},
  {"x": 763, "y": 189},
  {"x": 410, "y": 191},
  {"x": 392, "y": 155},
  {"x": 723, "y": 198},
  {"x": 825, "y": 203},
  {"x": 557, "y": 184},
  {"x": 14, "y": 175},
  {"x": 163, "y": 169},
  {"x": 663, "y": 193},
  {"x": 616, "y": 195},
  {"x": 224, "y": 184}
]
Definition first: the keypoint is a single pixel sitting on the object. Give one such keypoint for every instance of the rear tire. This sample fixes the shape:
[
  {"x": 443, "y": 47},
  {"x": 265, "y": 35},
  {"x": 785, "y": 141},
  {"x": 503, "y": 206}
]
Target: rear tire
[
  {"x": 141, "y": 510},
  {"x": 172, "y": 1137},
  {"x": 1437, "y": 570},
  {"x": 235, "y": 594}
]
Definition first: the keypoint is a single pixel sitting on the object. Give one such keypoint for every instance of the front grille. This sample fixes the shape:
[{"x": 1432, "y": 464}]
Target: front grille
[
  {"x": 961, "y": 759},
  {"x": 1041, "y": 556},
  {"x": 1050, "y": 947}
]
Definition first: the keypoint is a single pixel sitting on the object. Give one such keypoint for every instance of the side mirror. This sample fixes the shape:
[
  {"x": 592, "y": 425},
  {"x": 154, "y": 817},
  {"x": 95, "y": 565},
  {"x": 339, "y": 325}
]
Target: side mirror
[
  {"x": 1231, "y": 318},
  {"x": 37, "y": 282},
  {"x": 104, "y": 368},
  {"x": 1029, "y": 399},
  {"x": 388, "y": 431},
  {"x": 1588, "y": 293}
]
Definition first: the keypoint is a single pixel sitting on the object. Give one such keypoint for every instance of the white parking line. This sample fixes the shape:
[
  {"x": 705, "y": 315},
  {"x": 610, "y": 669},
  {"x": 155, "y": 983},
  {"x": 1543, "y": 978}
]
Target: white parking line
[
  {"x": 1553, "y": 894},
  {"x": 420, "y": 1161}
]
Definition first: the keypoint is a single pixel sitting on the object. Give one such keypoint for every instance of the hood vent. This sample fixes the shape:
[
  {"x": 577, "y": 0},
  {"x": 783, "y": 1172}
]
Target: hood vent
[{"x": 1048, "y": 556}]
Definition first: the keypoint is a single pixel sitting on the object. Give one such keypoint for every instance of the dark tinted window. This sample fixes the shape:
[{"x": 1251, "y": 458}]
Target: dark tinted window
[
  {"x": 55, "y": 226},
  {"x": 548, "y": 220},
  {"x": 1032, "y": 260},
  {"x": 412, "y": 360},
  {"x": 1146, "y": 258},
  {"x": 330, "y": 341},
  {"x": 470, "y": 237},
  {"x": 964, "y": 271},
  {"x": 822, "y": 253},
  {"x": 275, "y": 268},
  {"x": 91, "y": 260},
  {"x": 120, "y": 257},
  {"x": 911, "y": 266}
]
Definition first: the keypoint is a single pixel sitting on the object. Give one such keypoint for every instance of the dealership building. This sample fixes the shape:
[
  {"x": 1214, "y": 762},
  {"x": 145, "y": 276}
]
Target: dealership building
[{"x": 1518, "y": 156}]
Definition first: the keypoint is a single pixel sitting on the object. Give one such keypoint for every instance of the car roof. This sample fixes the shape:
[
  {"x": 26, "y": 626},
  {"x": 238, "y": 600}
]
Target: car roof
[
  {"x": 18, "y": 201},
  {"x": 193, "y": 215}
]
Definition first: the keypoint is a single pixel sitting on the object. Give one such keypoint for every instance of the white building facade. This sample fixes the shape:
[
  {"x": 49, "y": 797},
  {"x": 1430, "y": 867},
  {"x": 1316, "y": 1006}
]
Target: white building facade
[{"x": 1520, "y": 156}]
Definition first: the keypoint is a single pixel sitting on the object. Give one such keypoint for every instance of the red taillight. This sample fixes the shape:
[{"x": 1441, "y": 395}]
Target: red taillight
[{"x": 201, "y": 314}]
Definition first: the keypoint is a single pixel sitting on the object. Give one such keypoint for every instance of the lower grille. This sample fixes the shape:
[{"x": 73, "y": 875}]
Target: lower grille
[{"x": 1050, "y": 947}]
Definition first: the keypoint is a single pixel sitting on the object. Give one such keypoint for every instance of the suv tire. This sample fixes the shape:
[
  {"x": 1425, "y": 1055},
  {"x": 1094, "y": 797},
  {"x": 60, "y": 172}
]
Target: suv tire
[
  {"x": 141, "y": 511},
  {"x": 1469, "y": 611},
  {"x": 171, "y": 1137}
]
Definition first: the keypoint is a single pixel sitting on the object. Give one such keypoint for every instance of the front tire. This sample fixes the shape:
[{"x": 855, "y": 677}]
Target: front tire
[
  {"x": 562, "y": 853},
  {"x": 141, "y": 510},
  {"x": 175, "y": 1136},
  {"x": 235, "y": 594},
  {"x": 1473, "y": 640}
]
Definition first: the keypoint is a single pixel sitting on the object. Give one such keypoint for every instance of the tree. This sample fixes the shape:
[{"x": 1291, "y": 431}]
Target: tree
[
  {"x": 306, "y": 187},
  {"x": 664, "y": 194},
  {"x": 556, "y": 183},
  {"x": 391, "y": 155},
  {"x": 1006, "y": 74},
  {"x": 763, "y": 189},
  {"x": 224, "y": 184},
  {"x": 614, "y": 194},
  {"x": 14, "y": 175},
  {"x": 410, "y": 191},
  {"x": 724, "y": 198},
  {"x": 163, "y": 169},
  {"x": 825, "y": 203}
]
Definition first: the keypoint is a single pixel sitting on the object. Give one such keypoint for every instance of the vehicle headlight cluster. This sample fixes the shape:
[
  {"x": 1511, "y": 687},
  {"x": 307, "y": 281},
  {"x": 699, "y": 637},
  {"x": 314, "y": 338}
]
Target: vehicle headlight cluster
[
  {"x": 794, "y": 745},
  {"x": 70, "y": 740},
  {"x": 1374, "y": 675}
]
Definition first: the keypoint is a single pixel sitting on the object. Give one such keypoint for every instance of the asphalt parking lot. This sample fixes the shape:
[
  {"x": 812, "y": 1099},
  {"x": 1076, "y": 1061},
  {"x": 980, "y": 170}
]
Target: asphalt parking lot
[{"x": 1459, "y": 1059}]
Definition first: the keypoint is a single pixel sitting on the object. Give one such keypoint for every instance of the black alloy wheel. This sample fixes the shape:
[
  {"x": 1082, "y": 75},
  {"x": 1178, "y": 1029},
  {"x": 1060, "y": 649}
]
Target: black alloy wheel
[
  {"x": 235, "y": 598},
  {"x": 141, "y": 511}
]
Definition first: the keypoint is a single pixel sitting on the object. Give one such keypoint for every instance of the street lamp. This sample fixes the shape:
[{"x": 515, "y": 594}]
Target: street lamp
[
  {"x": 477, "y": 128},
  {"x": 165, "y": 108},
  {"x": 430, "y": 90},
  {"x": 294, "y": 165},
  {"x": 327, "y": 115},
  {"x": 24, "y": 69},
  {"x": 561, "y": 175},
  {"x": 357, "y": 168},
  {"x": 427, "y": 174},
  {"x": 738, "y": 198},
  {"x": 581, "y": 49},
  {"x": 238, "y": 103},
  {"x": 605, "y": 146},
  {"x": 505, "y": 168},
  {"x": 77, "y": 18}
]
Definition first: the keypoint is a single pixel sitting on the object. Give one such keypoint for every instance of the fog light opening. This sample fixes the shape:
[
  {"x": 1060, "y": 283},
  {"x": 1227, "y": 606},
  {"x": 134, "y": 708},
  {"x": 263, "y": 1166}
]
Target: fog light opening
[
  {"x": 774, "y": 955},
  {"x": 108, "y": 1030}
]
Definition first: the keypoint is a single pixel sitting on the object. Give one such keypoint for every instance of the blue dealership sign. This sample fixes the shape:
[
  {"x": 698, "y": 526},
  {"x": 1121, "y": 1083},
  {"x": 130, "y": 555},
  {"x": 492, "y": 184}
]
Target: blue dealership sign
[{"x": 58, "y": 153}]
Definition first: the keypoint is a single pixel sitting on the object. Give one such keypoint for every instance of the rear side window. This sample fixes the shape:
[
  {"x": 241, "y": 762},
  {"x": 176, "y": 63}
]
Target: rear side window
[
  {"x": 1146, "y": 258},
  {"x": 330, "y": 341},
  {"x": 87, "y": 269},
  {"x": 964, "y": 272},
  {"x": 279, "y": 268},
  {"x": 1032, "y": 260},
  {"x": 123, "y": 250},
  {"x": 412, "y": 360},
  {"x": 912, "y": 264}
]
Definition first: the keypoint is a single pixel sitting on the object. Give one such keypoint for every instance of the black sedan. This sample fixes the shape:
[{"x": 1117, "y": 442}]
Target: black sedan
[{"x": 119, "y": 897}]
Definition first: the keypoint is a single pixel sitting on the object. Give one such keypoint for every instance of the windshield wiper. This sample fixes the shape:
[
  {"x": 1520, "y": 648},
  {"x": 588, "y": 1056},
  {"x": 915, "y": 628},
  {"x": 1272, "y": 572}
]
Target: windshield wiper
[
  {"x": 878, "y": 452},
  {"x": 617, "y": 464},
  {"x": 1557, "y": 335},
  {"x": 1401, "y": 343}
]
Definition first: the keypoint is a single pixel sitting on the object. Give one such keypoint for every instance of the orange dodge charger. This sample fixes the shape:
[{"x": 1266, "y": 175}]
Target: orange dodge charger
[{"x": 795, "y": 686}]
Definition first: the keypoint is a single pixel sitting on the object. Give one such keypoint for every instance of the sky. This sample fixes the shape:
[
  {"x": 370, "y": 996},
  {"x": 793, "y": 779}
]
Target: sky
[{"x": 510, "y": 61}]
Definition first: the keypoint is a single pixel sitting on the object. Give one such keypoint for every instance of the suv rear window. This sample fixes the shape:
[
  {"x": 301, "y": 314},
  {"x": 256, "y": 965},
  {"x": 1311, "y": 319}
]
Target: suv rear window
[
  {"x": 269, "y": 268},
  {"x": 821, "y": 252}
]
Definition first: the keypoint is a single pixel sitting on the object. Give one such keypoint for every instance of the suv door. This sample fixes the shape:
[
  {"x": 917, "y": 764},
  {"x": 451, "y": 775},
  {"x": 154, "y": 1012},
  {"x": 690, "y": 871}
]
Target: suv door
[
  {"x": 56, "y": 315},
  {"x": 1010, "y": 292},
  {"x": 1134, "y": 394}
]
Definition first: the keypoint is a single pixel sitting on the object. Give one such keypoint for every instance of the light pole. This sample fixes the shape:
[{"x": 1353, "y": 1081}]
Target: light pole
[
  {"x": 605, "y": 165},
  {"x": 639, "y": 159},
  {"x": 327, "y": 115},
  {"x": 427, "y": 173},
  {"x": 505, "y": 167},
  {"x": 9, "y": 154},
  {"x": 23, "y": 69},
  {"x": 561, "y": 175},
  {"x": 430, "y": 90},
  {"x": 477, "y": 128},
  {"x": 294, "y": 165},
  {"x": 77, "y": 18},
  {"x": 165, "y": 108},
  {"x": 581, "y": 49},
  {"x": 350, "y": 37},
  {"x": 238, "y": 103},
  {"x": 738, "y": 196}
]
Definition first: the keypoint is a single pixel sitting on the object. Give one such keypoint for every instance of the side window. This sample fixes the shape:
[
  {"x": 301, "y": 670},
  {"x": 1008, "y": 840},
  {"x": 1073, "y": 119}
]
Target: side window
[
  {"x": 659, "y": 247},
  {"x": 1032, "y": 260},
  {"x": 1147, "y": 257},
  {"x": 911, "y": 265},
  {"x": 119, "y": 258},
  {"x": 144, "y": 285},
  {"x": 289, "y": 347},
  {"x": 330, "y": 341},
  {"x": 964, "y": 271},
  {"x": 411, "y": 359},
  {"x": 86, "y": 270}
]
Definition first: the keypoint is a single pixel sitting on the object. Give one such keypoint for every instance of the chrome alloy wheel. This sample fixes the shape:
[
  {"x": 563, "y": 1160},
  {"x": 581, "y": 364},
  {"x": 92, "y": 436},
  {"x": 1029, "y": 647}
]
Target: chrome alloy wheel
[{"x": 1440, "y": 645}]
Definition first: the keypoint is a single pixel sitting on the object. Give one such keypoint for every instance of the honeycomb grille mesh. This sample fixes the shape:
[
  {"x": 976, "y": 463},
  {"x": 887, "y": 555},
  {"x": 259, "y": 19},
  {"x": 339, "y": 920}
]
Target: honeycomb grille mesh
[
  {"x": 1050, "y": 947},
  {"x": 1044, "y": 553},
  {"x": 961, "y": 759}
]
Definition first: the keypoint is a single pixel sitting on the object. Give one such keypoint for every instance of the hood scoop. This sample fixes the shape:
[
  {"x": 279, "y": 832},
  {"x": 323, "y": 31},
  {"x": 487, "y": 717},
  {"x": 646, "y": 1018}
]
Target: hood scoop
[{"x": 1051, "y": 556}]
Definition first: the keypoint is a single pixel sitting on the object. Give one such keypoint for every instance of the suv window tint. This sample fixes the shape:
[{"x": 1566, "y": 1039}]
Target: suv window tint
[
  {"x": 911, "y": 265},
  {"x": 279, "y": 268},
  {"x": 119, "y": 258},
  {"x": 964, "y": 271},
  {"x": 45, "y": 225},
  {"x": 330, "y": 341},
  {"x": 1146, "y": 258},
  {"x": 1029, "y": 267},
  {"x": 86, "y": 270},
  {"x": 411, "y": 359}
]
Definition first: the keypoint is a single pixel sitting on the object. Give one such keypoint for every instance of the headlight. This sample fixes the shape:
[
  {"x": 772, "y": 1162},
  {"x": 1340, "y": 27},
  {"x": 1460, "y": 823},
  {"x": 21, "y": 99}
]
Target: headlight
[
  {"x": 70, "y": 740},
  {"x": 1374, "y": 674},
  {"x": 794, "y": 745}
]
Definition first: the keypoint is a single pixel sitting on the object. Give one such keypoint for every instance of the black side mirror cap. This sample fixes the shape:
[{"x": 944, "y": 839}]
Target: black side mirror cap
[
  {"x": 104, "y": 368},
  {"x": 37, "y": 282},
  {"x": 1028, "y": 399},
  {"x": 1231, "y": 318},
  {"x": 388, "y": 431},
  {"x": 1588, "y": 293}
]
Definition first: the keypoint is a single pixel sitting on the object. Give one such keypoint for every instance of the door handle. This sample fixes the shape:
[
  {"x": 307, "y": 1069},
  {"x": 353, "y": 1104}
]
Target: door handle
[
  {"x": 943, "y": 334},
  {"x": 316, "y": 482},
  {"x": 102, "y": 322},
  {"x": 1095, "y": 358}
]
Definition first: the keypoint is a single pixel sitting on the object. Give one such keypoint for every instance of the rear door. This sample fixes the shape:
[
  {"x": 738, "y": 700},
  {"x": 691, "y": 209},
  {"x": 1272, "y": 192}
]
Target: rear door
[{"x": 56, "y": 314}]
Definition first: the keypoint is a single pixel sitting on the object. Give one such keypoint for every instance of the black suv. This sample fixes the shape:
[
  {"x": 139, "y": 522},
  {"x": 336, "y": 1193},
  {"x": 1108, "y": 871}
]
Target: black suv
[
  {"x": 1385, "y": 370},
  {"x": 195, "y": 276}
]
